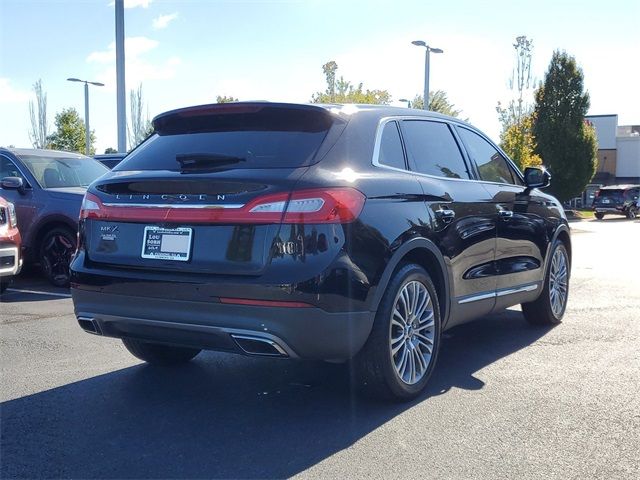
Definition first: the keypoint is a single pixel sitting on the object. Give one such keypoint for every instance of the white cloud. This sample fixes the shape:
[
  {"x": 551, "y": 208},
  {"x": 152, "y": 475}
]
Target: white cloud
[
  {"x": 10, "y": 94},
  {"x": 134, "y": 3},
  {"x": 134, "y": 47},
  {"x": 138, "y": 68},
  {"x": 163, "y": 20}
]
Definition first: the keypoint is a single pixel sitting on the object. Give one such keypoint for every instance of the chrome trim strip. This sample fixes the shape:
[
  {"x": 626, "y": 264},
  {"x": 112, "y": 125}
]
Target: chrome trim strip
[
  {"x": 476, "y": 298},
  {"x": 524, "y": 288},
  {"x": 172, "y": 205},
  {"x": 499, "y": 293}
]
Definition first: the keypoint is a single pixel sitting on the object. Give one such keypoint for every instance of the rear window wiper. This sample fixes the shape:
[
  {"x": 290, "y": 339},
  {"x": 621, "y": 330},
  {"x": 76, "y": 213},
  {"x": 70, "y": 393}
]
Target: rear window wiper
[{"x": 204, "y": 161}]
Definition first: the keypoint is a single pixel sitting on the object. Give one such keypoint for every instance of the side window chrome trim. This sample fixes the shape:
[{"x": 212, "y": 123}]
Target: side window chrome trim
[{"x": 376, "y": 148}]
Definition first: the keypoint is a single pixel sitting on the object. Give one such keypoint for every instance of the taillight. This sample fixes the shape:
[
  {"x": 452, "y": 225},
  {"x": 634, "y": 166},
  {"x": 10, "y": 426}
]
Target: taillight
[
  {"x": 91, "y": 206},
  {"x": 332, "y": 205}
]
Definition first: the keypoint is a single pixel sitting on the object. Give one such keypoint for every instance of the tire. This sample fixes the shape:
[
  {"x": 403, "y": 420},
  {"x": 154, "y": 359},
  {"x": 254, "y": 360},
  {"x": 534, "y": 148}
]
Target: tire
[
  {"x": 380, "y": 372},
  {"x": 4, "y": 284},
  {"x": 599, "y": 216},
  {"x": 56, "y": 249},
  {"x": 632, "y": 213},
  {"x": 544, "y": 311},
  {"x": 158, "y": 354}
]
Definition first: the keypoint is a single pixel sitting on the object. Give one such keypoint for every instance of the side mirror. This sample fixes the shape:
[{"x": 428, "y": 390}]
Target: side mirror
[
  {"x": 13, "y": 183},
  {"x": 537, "y": 177}
]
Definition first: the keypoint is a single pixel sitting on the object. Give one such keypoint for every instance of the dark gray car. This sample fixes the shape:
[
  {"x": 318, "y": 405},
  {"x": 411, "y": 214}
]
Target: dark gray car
[{"x": 47, "y": 188}]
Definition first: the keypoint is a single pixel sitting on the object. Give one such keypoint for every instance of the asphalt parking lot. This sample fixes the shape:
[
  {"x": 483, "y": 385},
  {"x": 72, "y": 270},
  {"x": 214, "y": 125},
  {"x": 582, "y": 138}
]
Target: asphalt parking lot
[{"x": 508, "y": 400}]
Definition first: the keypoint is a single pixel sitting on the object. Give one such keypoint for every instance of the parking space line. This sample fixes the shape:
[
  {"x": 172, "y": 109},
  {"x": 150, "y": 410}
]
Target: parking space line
[{"x": 36, "y": 292}]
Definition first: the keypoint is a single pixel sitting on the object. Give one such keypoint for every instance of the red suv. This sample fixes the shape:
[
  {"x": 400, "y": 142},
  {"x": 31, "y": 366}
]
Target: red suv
[{"x": 10, "y": 244}]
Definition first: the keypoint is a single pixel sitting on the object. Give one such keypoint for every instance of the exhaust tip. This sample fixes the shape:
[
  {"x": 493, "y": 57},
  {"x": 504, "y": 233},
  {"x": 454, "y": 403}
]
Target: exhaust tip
[
  {"x": 259, "y": 346},
  {"x": 89, "y": 325}
]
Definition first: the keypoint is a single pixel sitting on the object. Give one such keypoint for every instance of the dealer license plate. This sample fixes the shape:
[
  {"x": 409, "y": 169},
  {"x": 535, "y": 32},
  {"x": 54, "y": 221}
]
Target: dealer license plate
[{"x": 167, "y": 243}]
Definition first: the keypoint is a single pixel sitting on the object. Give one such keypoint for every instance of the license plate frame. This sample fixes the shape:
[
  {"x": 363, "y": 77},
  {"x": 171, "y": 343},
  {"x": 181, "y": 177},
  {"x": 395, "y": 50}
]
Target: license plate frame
[{"x": 160, "y": 243}]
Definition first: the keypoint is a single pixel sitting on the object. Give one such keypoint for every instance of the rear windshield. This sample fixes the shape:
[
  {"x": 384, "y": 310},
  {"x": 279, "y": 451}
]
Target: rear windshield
[
  {"x": 611, "y": 193},
  {"x": 270, "y": 138}
]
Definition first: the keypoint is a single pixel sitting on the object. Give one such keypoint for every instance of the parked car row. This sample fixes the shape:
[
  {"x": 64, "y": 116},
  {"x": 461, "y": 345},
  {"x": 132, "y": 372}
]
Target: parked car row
[{"x": 46, "y": 189}]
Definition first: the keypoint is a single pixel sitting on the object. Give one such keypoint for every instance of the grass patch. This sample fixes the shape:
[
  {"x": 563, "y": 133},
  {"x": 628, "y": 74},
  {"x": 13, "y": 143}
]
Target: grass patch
[{"x": 586, "y": 214}]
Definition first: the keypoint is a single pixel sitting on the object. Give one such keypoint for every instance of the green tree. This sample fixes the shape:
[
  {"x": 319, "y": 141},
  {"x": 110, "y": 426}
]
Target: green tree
[
  {"x": 438, "y": 102},
  {"x": 343, "y": 91},
  {"x": 519, "y": 143},
  {"x": 225, "y": 99},
  {"x": 110, "y": 150},
  {"x": 565, "y": 141},
  {"x": 70, "y": 133}
]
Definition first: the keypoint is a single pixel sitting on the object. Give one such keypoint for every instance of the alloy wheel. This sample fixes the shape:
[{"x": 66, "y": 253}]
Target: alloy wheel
[
  {"x": 57, "y": 253},
  {"x": 558, "y": 282},
  {"x": 412, "y": 332}
]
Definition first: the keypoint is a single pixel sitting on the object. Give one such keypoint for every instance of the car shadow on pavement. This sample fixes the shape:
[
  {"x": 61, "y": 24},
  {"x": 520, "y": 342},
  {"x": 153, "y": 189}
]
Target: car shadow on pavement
[{"x": 223, "y": 416}]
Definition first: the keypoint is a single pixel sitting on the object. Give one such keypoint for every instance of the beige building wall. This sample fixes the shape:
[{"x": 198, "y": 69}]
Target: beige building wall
[{"x": 607, "y": 162}]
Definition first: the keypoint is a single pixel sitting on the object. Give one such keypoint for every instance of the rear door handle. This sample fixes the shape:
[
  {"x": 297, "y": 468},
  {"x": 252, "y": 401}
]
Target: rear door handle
[{"x": 445, "y": 214}]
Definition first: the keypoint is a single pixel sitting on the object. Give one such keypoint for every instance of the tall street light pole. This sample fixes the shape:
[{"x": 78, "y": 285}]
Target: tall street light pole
[
  {"x": 428, "y": 50},
  {"x": 120, "y": 86},
  {"x": 87, "y": 132}
]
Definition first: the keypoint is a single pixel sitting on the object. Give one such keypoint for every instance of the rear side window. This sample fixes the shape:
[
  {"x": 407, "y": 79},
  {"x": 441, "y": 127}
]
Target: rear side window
[
  {"x": 391, "y": 153},
  {"x": 246, "y": 137},
  {"x": 433, "y": 150},
  {"x": 492, "y": 166}
]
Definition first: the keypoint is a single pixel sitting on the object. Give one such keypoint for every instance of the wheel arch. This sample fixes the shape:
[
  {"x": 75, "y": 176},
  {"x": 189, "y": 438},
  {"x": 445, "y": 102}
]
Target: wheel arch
[
  {"x": 563, "y": 234},
  {"x": 47, "y": 224},
  {"x": 423, "y": 252}
]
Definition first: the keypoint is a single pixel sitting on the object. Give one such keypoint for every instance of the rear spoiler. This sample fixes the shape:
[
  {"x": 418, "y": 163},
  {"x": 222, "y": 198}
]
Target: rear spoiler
[{"x": 255, "y": 116}]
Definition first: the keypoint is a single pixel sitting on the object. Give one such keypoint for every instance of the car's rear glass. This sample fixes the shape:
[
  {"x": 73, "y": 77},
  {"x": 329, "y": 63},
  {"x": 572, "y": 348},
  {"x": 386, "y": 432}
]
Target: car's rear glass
[
  {"x": 611, "y": 193},
  {"x": 269, "y": 138},
  {"x": 59, "y": 172}
]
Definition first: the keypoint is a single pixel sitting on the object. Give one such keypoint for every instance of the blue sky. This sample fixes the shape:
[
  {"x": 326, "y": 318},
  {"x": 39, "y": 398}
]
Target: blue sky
[{"x": 187, "y": 52}]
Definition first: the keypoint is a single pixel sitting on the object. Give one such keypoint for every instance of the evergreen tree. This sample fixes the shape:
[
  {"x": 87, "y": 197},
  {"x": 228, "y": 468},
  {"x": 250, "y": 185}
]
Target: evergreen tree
[{"x": 565, "y": 141}]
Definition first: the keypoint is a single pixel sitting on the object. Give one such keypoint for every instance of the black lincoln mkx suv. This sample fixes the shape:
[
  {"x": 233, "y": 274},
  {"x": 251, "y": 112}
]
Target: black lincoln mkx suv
[{"x": 318, "y": 232}]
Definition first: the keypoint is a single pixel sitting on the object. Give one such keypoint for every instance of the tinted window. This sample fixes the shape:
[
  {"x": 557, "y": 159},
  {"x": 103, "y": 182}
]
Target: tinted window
[
  {"x": 58, "y": 172},
  {"x": 491, "y": 165},
  {"x": 8, "y": 168},
  {"x": 391, "y": 153},
  {"x": 433, "y": 149},
  {"x": 245, "y": 137}
]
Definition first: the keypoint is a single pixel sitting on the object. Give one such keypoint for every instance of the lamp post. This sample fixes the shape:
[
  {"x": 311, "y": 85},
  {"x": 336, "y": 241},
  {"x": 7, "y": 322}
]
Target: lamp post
[
  {"x": 428, "y": 50},
  {"x": 407, "y": 101},
  {"x": 87, "y": 137}
]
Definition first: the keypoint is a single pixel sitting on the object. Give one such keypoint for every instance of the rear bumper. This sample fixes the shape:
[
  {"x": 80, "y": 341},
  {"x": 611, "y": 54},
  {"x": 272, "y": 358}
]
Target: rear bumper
[
  {"x": 10, "y": 261},
  {"x": 618, "y": 210},
  {"x": 294, "y": 332}
]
